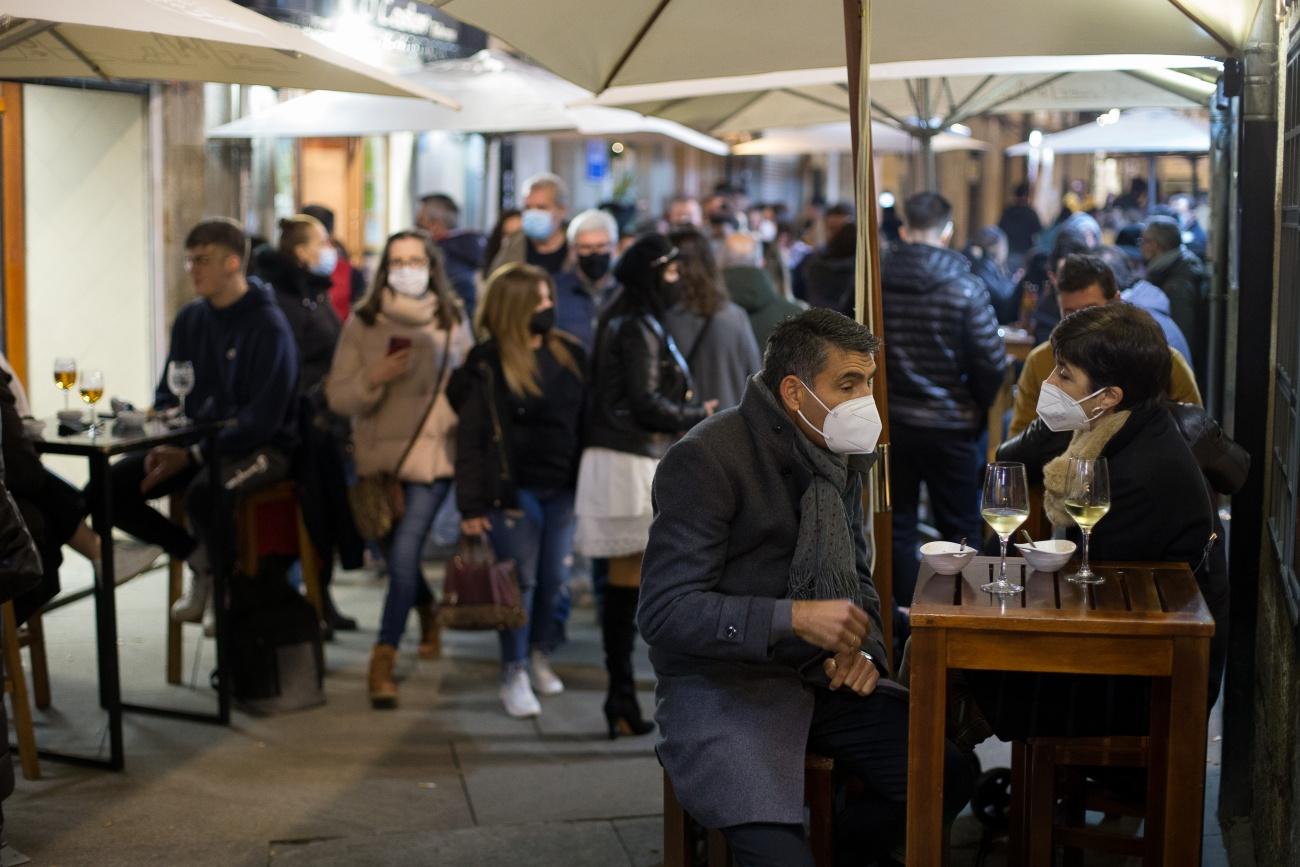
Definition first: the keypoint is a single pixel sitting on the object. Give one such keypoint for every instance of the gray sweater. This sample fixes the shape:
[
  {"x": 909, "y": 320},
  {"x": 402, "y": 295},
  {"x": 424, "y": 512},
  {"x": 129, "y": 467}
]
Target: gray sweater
[{"x": 727, "y": 356}]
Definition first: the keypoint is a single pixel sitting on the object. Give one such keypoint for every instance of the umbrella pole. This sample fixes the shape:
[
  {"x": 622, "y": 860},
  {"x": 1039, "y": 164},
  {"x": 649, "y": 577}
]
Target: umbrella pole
[
  {"x": 1152, "y": 189},
  {"x": 869, "y": 306}
]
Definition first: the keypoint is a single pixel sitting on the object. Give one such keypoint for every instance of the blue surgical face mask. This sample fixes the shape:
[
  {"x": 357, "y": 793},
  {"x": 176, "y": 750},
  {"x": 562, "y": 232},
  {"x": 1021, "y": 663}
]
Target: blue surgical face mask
[
  {"x": 538, "y": 224},
  {"x": 328, "y": 261}
]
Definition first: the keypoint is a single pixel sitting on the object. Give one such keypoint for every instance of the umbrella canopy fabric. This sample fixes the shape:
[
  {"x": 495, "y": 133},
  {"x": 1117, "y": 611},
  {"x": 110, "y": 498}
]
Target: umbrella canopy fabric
[
  {"x": 646, "y": 41},
  {"x": 1134, "y": 132},
  {"x": 179, "y": 40},
  {"x": 837, "y": 138},
  {"x": 498, "y": 94}
]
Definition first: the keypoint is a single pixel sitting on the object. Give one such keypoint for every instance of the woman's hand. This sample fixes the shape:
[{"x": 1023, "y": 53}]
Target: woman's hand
[
  {"x": 390, "y": 367},
  {"x": 710, "y": 407},
  {"x": 475, "y": 526}
]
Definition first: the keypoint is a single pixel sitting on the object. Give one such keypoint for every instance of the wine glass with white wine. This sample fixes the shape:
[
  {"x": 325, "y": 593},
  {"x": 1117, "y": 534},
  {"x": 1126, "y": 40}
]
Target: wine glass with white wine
[
  {"x": 180, "y": 381},
  {"x": 65, "y": 375},
  {"x": 1087, "y": 500},
  {"x": 92, "y": 389},
  {"x": 1004, "y": 507}
]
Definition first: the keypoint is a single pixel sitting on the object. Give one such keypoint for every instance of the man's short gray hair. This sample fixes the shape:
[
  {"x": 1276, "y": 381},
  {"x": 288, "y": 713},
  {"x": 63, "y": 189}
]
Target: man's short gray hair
[
  {"x": 547, "y": 180},
  {"x": 740, "y": 250},
  {"x": 441, "y": 207},
  {"x": 1164, "y": 232},
  {"x": 593, "y": 220}
]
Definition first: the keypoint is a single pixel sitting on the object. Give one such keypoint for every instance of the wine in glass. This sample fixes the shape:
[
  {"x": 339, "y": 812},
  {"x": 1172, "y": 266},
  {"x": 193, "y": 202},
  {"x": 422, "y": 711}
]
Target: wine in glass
[
  {"x": 180, "y": 380},
  {"x": 92, "y": 389},
  {"x": 1087, "y": 500},
  {"x": 1004, "y": 507},
  {"x": 65, "y": 376}
]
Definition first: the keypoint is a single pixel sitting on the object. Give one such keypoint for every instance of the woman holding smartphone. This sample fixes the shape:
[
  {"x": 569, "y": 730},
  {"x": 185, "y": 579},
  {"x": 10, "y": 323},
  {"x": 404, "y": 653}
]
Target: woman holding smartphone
[{"x": 390, "y": 375}]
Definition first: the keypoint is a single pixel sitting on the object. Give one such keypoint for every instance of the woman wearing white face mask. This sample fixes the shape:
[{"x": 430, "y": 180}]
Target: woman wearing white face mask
[{"x": 390, "y": 375}]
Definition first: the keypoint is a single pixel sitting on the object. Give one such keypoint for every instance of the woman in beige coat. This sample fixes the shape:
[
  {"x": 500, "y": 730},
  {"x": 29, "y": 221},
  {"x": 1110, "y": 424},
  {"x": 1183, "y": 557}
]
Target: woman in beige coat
[{"x": 390, "y": 375}]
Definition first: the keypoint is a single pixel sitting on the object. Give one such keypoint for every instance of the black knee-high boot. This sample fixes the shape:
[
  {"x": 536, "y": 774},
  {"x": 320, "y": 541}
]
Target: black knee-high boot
[{"x": 618, "y": 629}]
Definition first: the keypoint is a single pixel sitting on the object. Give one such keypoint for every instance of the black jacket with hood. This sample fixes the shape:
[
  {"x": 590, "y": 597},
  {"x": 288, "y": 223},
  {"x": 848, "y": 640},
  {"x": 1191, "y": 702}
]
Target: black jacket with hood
[{"x": 945, "y": 360}]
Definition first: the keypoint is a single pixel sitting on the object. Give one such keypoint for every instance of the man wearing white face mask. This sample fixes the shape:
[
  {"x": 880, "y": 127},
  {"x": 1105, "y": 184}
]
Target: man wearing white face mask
[
  {"x": 757, "y": 602},
  {"x": 541, "y": 241}
]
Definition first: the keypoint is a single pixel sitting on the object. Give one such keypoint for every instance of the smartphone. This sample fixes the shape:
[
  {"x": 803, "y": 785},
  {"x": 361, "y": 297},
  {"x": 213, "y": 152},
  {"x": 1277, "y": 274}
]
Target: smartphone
[{"x": 397, "y": 344}]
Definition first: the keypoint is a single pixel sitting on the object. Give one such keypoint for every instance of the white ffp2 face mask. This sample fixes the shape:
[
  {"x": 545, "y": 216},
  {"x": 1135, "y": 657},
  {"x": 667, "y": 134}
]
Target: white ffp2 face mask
[
  {"x": 852, "y": 428},
  {"x": 411, "y": 282},
  {"x": 1060, "y": 412}
]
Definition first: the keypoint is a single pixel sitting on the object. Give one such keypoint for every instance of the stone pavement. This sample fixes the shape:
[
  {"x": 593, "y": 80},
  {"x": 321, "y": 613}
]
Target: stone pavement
[{"x": 447, "y": 779}]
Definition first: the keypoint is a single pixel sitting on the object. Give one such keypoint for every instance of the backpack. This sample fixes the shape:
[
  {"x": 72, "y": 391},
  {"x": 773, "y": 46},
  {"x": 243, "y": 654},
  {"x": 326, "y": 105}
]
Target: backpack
[{"x": 277, "y": 662}]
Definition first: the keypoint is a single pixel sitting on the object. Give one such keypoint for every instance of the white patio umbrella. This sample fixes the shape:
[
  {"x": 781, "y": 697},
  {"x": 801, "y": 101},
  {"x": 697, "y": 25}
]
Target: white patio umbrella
[
  {"x": 647, "y": 41},
  {"x": 838, "y": 138},
  {"x": 498, "y": 94},
  {"x": 179, "y": 40},
  {"x": 1132, "y": 132}
]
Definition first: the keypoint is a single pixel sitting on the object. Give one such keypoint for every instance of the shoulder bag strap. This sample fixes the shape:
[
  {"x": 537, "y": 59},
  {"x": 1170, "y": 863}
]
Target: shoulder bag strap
[
  {"x": 667, "y": 340},
  {"x": 437, "y": 391}
]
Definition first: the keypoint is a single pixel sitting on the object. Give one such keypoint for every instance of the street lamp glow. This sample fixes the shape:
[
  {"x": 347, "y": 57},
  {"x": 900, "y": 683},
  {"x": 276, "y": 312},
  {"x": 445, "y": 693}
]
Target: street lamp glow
[
  {"x": 887, "y": 200},
  {"x": 1036, "y": 139},
  {"x": 617, "y": 147}
]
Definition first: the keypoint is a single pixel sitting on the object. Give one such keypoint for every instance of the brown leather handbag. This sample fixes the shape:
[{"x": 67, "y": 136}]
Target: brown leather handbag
[{"x": 481, "y": 592}]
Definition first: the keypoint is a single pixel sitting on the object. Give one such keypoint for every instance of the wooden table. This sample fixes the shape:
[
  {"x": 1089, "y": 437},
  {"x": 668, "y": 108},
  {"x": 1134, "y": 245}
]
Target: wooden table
[{"x": 1147, "y": 619}]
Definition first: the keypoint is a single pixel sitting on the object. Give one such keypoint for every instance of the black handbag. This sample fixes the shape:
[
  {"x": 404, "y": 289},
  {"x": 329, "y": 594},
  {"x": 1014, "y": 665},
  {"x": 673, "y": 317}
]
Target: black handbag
[{"x": 20, "y": 562}]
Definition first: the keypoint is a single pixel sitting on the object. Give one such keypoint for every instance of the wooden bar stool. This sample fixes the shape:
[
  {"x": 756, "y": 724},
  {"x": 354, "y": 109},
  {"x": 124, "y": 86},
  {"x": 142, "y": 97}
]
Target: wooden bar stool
[
  {"x": 15, "y": 684},
  {"x": 267, "y": 522},
  {"x": 680, "y": 830},
  {"x": 1046, "y": 771}
]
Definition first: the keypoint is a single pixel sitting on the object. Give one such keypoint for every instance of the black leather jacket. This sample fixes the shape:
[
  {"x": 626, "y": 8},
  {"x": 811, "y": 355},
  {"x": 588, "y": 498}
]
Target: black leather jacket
[
  {"x": 1224, "y": 463},
  {"x": 945, "y": 358},
  {"x": 642, "y": 400}
]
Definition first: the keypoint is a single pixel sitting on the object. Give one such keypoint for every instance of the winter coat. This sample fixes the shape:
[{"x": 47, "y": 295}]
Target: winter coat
[
  {"x": 304, "y": 298},
  {"x": 1183, "y": 278},
  {"x": 462, "y": 258},
  {"x": 1154, "y": 301},
  {"x": 720, "y": 350},
  {"x": 752, "y": 288},
  {"x": 385, "y": 418},
  {"x": 641, "y": 400},
  {"x": 736, "y": 688},
  {"x": 245, "y": 369},
  {"x": 579, "y": 303},
  {"x": 829, "y": 282},
  {"x": 944, "y": 358},
  {"x": 505, "y": 441},
  {"x": 1004, "y": 293}
]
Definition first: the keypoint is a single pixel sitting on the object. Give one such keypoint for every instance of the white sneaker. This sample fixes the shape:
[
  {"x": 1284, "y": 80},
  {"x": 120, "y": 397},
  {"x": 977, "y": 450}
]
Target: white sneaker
[
  {"x": 517, "y": 695},
  {"x": 189, "y": 608},
  {"x": 545, "y": 680}
]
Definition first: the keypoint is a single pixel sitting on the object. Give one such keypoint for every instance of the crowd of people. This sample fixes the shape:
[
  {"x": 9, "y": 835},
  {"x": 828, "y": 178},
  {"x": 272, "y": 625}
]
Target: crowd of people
[{"x": 686, "y": 405}]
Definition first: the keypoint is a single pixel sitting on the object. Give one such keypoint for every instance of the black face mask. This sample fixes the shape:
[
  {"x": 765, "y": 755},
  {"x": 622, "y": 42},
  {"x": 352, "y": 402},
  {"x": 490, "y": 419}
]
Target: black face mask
[
  {"x": 595, "y": 265},
  {"x": 542, "y": 322}
]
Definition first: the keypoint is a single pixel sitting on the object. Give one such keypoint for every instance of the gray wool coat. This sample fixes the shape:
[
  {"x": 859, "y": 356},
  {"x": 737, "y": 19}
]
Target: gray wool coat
[{"x": 734, "y": 699}]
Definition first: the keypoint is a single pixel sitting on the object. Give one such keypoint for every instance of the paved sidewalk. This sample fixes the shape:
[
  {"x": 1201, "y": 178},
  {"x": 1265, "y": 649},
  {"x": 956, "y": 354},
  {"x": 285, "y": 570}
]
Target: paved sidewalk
[{"x": 447, "y": 779}]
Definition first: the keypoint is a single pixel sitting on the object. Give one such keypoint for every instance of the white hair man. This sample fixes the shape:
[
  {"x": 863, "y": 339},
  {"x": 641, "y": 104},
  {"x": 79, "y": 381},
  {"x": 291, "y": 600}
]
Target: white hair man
[
  {"x": 582, "y": 290},
  {"x": 541, "y": 241}
]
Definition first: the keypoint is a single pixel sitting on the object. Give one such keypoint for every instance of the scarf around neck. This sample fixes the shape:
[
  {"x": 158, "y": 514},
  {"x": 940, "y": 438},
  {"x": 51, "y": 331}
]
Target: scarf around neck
[
  {"x": 409, "y": 311},
  {"x": 1084, "y": 444},
  {"x": 825, "y": 558}
]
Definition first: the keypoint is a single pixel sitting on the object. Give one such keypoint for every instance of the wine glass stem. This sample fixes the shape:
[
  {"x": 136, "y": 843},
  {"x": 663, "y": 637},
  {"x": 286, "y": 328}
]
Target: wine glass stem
[
  {"x": 1002, "y": 577},
  {"x": 1085, "y": 569},
  {"x": 65, "y": 398}
]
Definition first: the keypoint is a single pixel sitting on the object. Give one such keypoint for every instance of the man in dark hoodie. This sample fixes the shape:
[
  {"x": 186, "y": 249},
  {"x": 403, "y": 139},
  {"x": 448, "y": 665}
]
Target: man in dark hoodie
[
  {"x": 245, "y": 373},
  {"x": 462, "y": 249},
  {"x": 945, "y": 363},
  {"x": 1182, "y": 276}
]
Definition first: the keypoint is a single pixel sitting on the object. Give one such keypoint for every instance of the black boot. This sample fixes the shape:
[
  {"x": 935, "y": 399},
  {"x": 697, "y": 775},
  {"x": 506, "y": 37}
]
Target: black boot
[{"x": 618, "y": 628}]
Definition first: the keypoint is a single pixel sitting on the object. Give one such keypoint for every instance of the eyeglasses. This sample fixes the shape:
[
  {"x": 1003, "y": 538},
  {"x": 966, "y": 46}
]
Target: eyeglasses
[{"x": 408, "y": 263}]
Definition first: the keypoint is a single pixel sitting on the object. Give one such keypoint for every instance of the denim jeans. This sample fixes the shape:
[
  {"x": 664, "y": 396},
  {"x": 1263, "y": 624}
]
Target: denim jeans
[
  {"x": 539, "y": 541},
  {"x": 406, "y": 585}
]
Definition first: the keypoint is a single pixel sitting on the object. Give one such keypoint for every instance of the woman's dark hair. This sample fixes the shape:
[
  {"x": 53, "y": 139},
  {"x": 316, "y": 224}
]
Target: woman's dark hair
[
  {"x": 498, "y": 236},
  {"x": 640, "y": 271},
  {"x": 1117, "y": 345},
  {"x": 798, "y": 345},
  {"x": 701, "y": 289},
  {"x": 844, "y": 244},
  {"x": 449, "y": 313}
]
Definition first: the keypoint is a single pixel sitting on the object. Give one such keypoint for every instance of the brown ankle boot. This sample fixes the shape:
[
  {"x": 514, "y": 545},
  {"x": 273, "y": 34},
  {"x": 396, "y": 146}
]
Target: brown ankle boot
[
  {"x": 430, "y": 633},
  {"x": 383, "y": 689}
]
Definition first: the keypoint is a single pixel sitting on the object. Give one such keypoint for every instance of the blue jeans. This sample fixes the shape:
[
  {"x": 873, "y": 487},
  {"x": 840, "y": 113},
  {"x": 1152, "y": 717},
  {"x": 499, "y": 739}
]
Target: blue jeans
[
  {"x": 539, "y": 541},
  {"x": 406, "y": 585}
]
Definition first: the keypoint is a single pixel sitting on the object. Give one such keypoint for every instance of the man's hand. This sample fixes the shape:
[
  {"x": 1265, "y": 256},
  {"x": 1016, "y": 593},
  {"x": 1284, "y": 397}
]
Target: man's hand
[
  {"x": 390, "y": 367},
  {"x": 854, "y": 670},
  {"x": 836, "y": 625},
  {"x": 475, "y": 526},
  {"x": 161, "y": 464}
]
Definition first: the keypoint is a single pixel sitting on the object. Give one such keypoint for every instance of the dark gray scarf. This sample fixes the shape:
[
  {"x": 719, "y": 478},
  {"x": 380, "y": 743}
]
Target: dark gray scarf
[{"x": 825, "y": 559}]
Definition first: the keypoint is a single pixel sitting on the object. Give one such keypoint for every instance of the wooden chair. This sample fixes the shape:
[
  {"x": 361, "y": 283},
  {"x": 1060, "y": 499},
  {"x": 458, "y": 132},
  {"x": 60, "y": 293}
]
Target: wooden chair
[
  {"x": 1048, "y": 771},
  {"x": 268, "y": 521},
  {"x": 15, "y": 684},
  {"x": 680, "y": 830}
]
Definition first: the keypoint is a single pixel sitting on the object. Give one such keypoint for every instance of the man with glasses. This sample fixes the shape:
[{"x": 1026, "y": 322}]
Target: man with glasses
[{"x": 245, "y": 374}]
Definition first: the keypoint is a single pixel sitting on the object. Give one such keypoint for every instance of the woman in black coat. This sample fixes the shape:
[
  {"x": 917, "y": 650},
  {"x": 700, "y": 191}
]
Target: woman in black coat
[{"x": 1113, "y": 370}]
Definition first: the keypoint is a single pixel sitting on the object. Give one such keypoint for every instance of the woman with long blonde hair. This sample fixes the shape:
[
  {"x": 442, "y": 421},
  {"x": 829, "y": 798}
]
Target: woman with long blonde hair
[{"x": 519, "y": 398}]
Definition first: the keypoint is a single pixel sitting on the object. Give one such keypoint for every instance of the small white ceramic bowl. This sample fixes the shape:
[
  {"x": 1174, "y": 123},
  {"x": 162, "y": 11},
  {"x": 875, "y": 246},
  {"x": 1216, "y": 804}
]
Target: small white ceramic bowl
[
  {"x": 1049, "y": 555},
  {"x": 72, "y": 416},
  {"x": 946, "y": 558}
]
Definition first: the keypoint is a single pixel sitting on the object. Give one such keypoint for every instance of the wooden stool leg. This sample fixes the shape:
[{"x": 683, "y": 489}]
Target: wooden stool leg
[
  {"x": 16, "y": 686},
  {"x": 248, "y": 544},
  {"x": 175, "y": 576},
  {"x": 678, "y": 851},
  {"x": 1042, "y": 798},
  {"x": 1018, "y": 831},
  {"x": 819, "y": 793},
  {"x": 311, "y": 569},
  {"x": 40, "y": 665}
]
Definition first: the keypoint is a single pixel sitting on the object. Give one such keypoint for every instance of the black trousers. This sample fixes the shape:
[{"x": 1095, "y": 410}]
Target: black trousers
[
  {"x": 948, "y": 462},
  {"x": 867, "y": 737}
]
